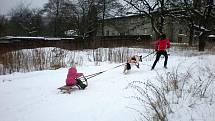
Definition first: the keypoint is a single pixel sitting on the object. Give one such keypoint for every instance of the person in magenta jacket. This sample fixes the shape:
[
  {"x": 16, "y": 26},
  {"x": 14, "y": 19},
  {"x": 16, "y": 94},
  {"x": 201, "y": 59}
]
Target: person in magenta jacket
[
  {"x": 160, "y": 47},
  {"x": 73, "y": 78}
]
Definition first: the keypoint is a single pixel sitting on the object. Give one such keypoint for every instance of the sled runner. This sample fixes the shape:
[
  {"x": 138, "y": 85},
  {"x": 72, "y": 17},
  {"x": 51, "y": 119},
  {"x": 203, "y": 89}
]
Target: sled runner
[
  {"x": 69, "y": 89},
  {"x": 66, "y": 89}
]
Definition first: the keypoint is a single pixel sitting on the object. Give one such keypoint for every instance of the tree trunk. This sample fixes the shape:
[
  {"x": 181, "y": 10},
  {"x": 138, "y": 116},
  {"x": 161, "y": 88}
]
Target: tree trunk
[
  {"x": 103, "y": 17},
  {"x": 161, "y": 22},
  {"x": 191, "y": 35},
  {"x": 56, "y": 20},
  {"x": 202, "y": 42}
]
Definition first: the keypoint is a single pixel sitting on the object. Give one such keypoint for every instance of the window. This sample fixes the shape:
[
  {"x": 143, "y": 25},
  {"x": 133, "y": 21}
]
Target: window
[
  {"x": 107, "y": 33},
  {"x": 113, "y": 34},
  {"x": 180, "y": 31},
  {"x": 122, "y": 33}
]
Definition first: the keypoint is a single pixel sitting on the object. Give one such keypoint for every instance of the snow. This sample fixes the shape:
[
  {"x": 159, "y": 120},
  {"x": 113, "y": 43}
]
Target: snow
[
  {"x": 33, "y": 96},
  {"x": 201, "y": 28},
  {"x": 40, "y": 38},
  {"x": 182, "y": 35},
  {"x": 211, "y": 35}
]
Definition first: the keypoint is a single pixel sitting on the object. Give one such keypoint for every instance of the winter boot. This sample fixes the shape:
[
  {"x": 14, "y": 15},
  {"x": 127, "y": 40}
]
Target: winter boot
[{"x": 81, "y": 84}]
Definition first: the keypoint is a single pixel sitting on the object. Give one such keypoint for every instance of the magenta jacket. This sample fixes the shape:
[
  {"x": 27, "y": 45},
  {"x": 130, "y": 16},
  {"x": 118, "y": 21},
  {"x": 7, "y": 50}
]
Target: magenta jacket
[{"x": 71, "y": 76}]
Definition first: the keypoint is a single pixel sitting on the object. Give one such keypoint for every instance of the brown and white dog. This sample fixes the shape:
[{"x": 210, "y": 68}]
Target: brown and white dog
[{"x": 132, "y": 60}]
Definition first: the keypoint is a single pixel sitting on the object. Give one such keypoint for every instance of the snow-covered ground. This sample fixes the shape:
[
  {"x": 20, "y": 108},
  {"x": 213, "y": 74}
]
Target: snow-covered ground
[{"x": 34, "y": 96}]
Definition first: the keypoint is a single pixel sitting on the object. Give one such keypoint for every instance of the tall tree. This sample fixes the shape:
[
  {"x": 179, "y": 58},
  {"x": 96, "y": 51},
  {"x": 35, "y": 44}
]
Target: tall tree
[
  {"x": 109, "y": 8},
  {"x": 92, "y": 21},
  {"x": 62, "y": 16},
  {"x": 25, "y": 21},
  {"x": 148, "y": 8},
  {"x": 203, "y": 12},
  {"x": 104, "y": 9},
  {"x": 197, "y": 14},
  {"x": 3, "y": 25}
]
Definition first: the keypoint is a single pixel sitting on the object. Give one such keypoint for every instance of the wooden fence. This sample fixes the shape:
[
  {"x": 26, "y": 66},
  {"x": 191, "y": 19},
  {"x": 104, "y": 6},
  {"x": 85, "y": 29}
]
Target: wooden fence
[{"x": 75, "y": 43}]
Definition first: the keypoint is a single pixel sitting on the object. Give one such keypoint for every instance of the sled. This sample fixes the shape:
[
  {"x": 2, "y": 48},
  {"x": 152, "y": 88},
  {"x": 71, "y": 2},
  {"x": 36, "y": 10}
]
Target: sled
[{"x": 69, "y": 89}]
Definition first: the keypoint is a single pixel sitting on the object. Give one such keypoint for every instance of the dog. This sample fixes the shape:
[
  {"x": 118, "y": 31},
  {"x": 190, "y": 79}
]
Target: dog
[{"x": 132, "y": 60}]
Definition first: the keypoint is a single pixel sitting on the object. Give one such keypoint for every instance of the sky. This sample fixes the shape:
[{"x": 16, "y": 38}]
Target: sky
[{"x": 7, "y": 5}]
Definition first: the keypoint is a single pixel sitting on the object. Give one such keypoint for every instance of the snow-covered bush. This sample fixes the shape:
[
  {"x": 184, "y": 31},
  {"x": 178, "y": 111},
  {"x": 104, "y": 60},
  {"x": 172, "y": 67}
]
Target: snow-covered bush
[{"x": 53, "y": 58}]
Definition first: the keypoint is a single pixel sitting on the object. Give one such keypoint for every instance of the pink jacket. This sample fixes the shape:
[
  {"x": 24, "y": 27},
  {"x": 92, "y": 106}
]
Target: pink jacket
[{"x": 71, "y": 76}]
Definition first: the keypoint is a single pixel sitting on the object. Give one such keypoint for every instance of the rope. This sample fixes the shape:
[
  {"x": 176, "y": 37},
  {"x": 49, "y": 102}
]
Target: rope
[
  {"x": 95, "y": 74},
  {"x": 148, "y": 54}
]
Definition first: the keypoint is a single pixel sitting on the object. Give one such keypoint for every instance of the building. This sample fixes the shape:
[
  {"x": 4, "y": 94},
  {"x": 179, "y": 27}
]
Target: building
[
  {"x": 141, "y": 25},
  {"x": 126, "y": 25}
]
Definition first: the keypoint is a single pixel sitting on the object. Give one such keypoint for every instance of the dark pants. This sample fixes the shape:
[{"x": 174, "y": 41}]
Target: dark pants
[{"x": 158, "y": 54}]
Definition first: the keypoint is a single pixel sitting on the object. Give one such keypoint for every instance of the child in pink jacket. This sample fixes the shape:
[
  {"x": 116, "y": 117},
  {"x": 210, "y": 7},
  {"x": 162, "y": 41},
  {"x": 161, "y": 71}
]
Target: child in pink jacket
[{"x": 73, "y": 78}]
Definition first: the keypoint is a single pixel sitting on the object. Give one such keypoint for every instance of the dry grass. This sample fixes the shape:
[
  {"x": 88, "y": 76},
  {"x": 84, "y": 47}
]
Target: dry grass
[{"x": 175, "y": 88}]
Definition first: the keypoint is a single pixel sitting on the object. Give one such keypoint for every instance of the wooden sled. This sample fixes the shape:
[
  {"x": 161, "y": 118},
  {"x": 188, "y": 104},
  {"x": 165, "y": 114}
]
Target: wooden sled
[{"x": 69, "y": 89}]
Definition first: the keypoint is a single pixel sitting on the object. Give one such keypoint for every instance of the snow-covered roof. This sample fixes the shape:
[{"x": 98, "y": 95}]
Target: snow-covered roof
[
  {"x": 35, "y": 38},
  {"x": 182, "y": 34},
  {"x": 211, "y": 36}
]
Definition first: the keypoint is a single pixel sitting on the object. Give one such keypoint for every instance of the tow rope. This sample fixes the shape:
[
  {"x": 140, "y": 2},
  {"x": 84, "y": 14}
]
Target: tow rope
[
  {"x": 148, "y": 54},
  {"x": 95, "y": 74}
]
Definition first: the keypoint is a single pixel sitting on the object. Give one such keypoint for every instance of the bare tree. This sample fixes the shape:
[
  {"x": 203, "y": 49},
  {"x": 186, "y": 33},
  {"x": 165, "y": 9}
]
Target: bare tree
[
  {"x": 82, "y": 7},
  {"x": 197, "y": 14},
  {"x": 3, "y": 25},
  {"x": 25, "y": 21},
  {"x": 100, "y": 9},
  {"x": 202, "y": 24},
  {"x": 154, "y": 10},
  {"x": 109, "y": 8},
  {"x": 62, "y": 15},
  {"x": 92, "y": 21}
]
